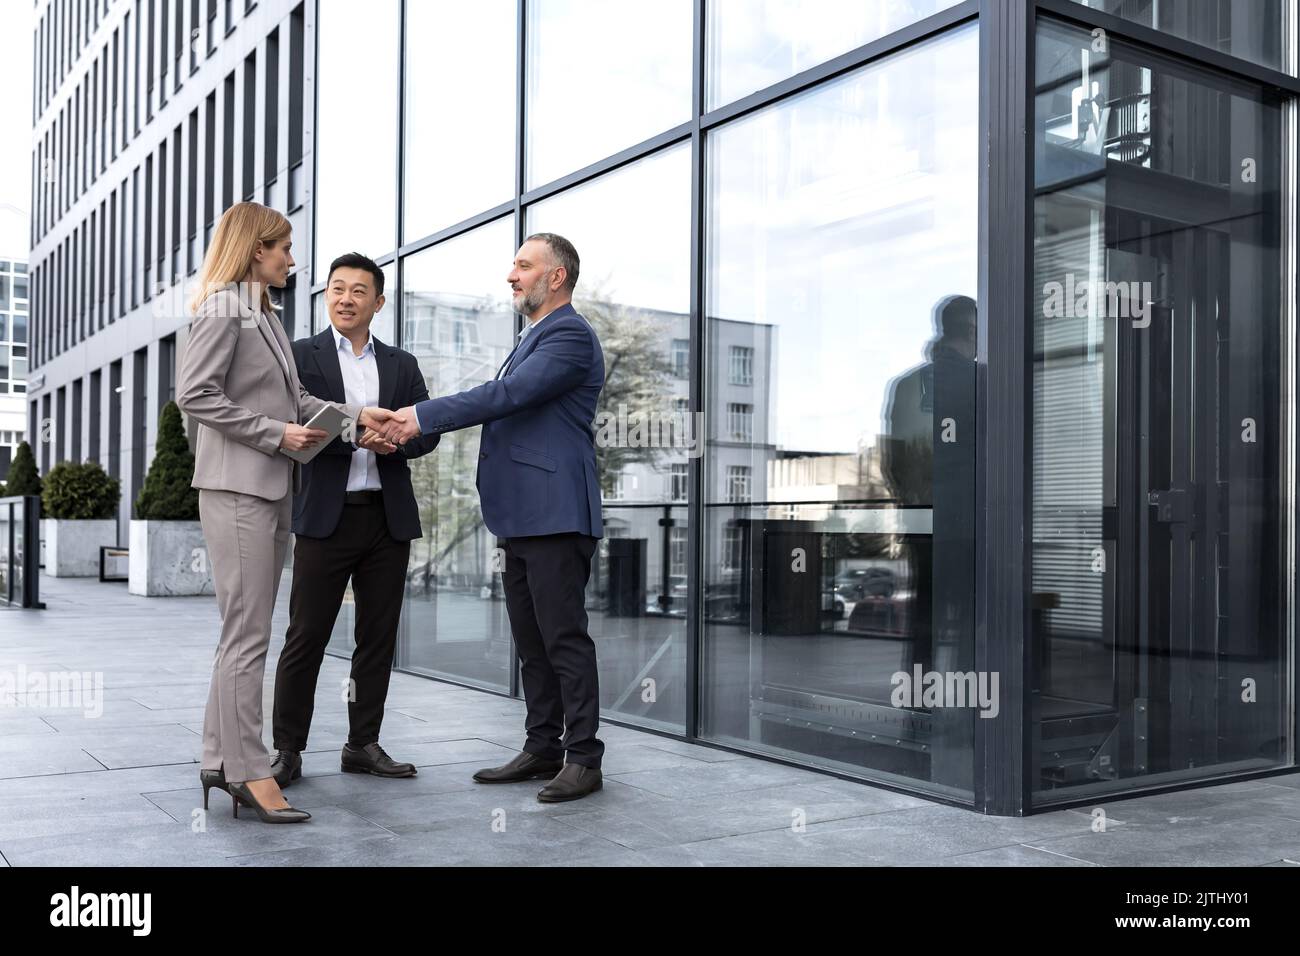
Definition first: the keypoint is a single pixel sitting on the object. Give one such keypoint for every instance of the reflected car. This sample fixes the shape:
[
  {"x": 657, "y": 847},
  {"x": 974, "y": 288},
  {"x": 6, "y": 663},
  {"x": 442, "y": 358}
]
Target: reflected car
[{"x": 857, "y": 584}]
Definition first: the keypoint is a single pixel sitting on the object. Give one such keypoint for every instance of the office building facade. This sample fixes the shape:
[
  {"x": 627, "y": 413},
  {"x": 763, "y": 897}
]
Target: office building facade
[
  {"x": 948, "y": 439},
  {"x": 14, "y": 303}
]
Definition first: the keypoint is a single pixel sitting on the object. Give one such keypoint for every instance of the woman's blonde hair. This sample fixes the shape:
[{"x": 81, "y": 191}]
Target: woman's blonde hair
[{"x": 230, "y": 257}]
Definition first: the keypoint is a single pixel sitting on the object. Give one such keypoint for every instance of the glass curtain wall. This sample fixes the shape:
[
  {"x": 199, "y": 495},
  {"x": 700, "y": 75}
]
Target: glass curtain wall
[{"x": 781, "y": 261}]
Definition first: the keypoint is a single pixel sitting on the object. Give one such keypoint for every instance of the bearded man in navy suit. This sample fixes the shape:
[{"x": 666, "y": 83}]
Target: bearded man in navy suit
[{"x": 538, "y": 488}]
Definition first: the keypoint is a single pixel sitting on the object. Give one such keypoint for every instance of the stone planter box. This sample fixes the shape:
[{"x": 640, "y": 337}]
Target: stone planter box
[
  {"x": 169, "y": 559},
  {"x": 72, "y": 545}
]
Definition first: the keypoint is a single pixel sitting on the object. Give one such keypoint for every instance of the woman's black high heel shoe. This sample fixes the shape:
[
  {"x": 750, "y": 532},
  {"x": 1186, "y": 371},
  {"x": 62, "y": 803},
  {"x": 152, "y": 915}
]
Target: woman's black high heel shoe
[
  {"x": 210, "y": 779},
  {"x": 240, "y": 793}
]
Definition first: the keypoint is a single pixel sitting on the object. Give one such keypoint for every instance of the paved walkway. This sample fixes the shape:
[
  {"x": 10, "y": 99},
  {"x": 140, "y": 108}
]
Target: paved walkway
[{"x": 120, "y": 788}]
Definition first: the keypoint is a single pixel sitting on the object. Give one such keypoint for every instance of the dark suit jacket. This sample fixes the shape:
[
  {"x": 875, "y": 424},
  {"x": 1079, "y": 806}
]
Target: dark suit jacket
[
  {"x": 319, "y": 505},
  {"x": 537, "y": 452}
]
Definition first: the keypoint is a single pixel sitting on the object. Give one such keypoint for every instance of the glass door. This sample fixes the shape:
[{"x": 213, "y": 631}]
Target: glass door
[{"x": 1159, "y": 629}]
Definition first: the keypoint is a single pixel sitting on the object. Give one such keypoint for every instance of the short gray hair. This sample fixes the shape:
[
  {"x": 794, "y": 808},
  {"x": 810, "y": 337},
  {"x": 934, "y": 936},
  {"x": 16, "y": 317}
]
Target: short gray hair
[{"x": 562, "y": 254}]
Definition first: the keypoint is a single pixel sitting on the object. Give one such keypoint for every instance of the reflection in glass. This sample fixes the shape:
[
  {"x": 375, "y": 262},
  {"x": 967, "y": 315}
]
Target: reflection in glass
[
  {"x": 755, "y": 43},
  {"x": 457, "y": 321},
  {"x": 356, "y": 131},
  {"x": 841, "y": 418},
  {"x": 1158, "y": 621},
  {"x": 1254, "y": 30},
  {"x": 602, "y": 75},
  {"x": 634, "y": 288},
  {"x": 460, "y": 105}
]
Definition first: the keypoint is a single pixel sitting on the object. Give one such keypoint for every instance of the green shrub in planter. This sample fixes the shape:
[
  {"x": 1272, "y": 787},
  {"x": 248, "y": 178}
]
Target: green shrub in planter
[
  {"x": 80, "y": 491},
  {"x": 167, "y": 495},
  {"x": 23, "y": 479}
]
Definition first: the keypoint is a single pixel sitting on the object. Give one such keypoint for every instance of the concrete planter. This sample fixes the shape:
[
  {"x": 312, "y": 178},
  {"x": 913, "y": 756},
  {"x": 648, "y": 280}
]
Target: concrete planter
[
  {"x": 72, "y": 545},
  {"x": 169, "y": 559}
]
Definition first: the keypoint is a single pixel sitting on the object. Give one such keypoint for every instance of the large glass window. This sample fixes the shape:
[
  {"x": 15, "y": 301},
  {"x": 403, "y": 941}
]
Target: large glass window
[
  {"x": 1254, "y": 30},
  {"x": 755, "y": 43},
  {"x": 1159, "y": 519},
  {"x": 457, "y": 321},
  {"x": 634, "y": 288},
  {"x": 594, "y": 87},
  {"x": 838, "y": 538},
  {"x": 460, "y": 102},
  {"x": 356, "y": 130}
]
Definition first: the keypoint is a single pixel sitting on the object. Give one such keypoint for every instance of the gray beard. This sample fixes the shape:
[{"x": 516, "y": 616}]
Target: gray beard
[{"x": 532, "y": 301}]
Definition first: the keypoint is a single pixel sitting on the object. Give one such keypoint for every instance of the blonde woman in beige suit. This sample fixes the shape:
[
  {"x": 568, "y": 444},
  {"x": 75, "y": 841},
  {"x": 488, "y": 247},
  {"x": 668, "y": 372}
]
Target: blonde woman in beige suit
[{"x": 238, "y": 381}]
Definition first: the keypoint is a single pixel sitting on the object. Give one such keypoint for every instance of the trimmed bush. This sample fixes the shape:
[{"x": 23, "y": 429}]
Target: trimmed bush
[
  {"x": 80, "y": 491},
  {"x": 23, "y": 479},
  {"x": 167, "y": 495}
]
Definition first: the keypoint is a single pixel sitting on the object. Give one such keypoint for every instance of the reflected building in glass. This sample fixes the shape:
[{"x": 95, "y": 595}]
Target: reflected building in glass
[{"x": 966, "y": 331}]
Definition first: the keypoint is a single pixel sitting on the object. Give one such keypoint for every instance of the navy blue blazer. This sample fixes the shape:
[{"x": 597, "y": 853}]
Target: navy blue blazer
[
  {"x": 537, "y": 453},
  {"x": 319, "y": 505}
]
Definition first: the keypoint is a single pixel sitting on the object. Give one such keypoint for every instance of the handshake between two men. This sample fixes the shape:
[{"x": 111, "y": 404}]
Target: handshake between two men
[
  {"x": 540, "y": 500},
  {"x": 380, "y": 430}
]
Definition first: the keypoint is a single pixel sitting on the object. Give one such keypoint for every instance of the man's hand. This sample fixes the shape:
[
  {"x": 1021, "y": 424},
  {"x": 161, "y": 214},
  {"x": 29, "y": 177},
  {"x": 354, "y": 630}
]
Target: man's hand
[
  {"x": 300, "y": 437},
  {"x": 374, "y": 418},
  {"x": 373, "y": 441},
  {"x": 402, "y": 426}
]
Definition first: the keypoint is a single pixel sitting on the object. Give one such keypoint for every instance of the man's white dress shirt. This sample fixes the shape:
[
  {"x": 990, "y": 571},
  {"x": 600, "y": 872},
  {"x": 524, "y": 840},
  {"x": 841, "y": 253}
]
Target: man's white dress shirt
[{"x": 360, "y": 387}]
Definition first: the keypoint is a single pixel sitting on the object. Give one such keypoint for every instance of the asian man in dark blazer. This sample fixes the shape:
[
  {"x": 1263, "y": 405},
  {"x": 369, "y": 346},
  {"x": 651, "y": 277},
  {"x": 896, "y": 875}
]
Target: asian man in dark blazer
[{"x": 354, "y": 518}]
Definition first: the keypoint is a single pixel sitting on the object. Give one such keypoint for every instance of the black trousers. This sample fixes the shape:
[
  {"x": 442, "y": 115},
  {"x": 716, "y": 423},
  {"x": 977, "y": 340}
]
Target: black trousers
[
  {"x": 545, "y": 579},
  {"x": 361, "y": 549}
]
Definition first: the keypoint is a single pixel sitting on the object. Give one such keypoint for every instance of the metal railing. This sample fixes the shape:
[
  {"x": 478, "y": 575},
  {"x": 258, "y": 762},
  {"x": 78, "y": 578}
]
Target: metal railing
[{"x": 20, "y": 551}]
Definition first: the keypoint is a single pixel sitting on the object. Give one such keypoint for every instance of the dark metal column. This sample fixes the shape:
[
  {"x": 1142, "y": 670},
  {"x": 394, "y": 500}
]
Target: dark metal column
[{"x": 1002, "y": 532}]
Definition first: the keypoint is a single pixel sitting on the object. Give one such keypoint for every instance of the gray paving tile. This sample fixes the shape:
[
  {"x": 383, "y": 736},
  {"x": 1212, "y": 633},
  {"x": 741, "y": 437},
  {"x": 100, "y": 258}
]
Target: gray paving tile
[
  {"x": 206, "y": 839},
  {"x": 170, "y": 845},
  {"x": 630, "y": 758},
  {"x": 1206, "y": 803},
  {"x": 1017, "y": 855},
  {"x": 706, "y": 754},
  {"x": 725, "y": 777},
  {"x": 115, "y": 718},
  {"x": 524, "y": 841},
  {"x": 45, "y": 761},
  {"x": 98, "y": 783},
  {"x": 645, "y": 823},
  {"x": 133, "y": 750},
  {"x": 44, "y": 815},
  {"x": 25, "y": 726},
  {"x": 1242, "y": 841}
]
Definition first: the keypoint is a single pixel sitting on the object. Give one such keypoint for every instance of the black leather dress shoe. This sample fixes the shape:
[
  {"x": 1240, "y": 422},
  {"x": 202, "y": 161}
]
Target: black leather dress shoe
[
  {"x": 372, "y": 759},
  {"x": 572, "y": 783},
  {"x": 524, "y": 767},
  {"x": 286, "y": 767}
]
